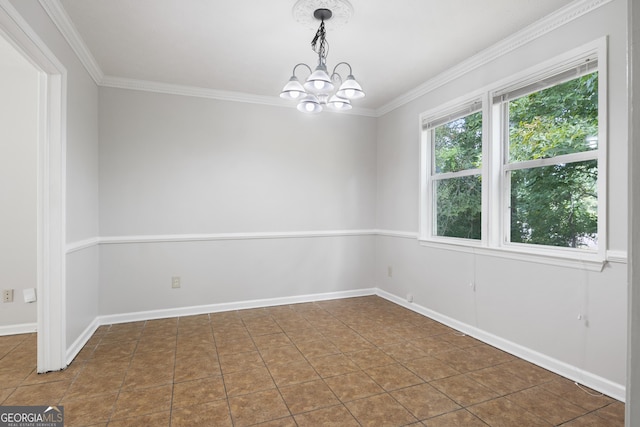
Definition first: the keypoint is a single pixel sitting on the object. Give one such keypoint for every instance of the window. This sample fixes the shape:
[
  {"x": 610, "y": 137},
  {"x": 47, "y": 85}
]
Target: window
[
  {"x": 551, "y": 166},
  {"x": 520, "y": 168},
  {"x": 456, "y": 144}
]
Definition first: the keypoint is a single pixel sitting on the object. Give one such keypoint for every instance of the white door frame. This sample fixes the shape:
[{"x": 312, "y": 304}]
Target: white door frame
[{"x": 51, "y": 187}]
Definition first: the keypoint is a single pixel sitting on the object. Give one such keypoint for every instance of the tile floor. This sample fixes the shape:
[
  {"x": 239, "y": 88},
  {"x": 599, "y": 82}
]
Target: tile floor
[{"x": 350, "y": 362}]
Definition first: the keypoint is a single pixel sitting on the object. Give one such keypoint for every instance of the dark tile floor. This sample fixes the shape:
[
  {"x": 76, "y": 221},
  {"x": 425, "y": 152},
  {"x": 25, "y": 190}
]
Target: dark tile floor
[{"x": 350, "y": 362}]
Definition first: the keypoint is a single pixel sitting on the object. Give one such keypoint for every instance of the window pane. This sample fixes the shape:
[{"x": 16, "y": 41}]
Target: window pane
[
  {"x": 458, "y": 207},
  {"x": 559, "y": 120},
  {"x": 556, "y": 205},
  {"x": 458, "y": 144}
]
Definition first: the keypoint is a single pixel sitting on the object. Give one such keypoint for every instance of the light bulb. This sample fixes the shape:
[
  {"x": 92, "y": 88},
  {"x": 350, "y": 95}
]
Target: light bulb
[
  {"x": 309, "y": 107},
  {"x": 295, "y": 94},
  {"x": 349, "y": 93}
]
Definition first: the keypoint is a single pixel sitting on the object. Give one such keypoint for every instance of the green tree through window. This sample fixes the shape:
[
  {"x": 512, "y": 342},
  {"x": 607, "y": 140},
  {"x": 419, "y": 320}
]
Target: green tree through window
[
  {"x": 555, "y": 204},
  {"x": 458, "y": 147}
]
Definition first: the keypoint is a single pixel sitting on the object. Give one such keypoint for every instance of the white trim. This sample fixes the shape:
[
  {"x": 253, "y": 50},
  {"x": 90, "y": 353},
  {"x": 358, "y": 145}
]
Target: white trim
[
  {"x": 80, "y": 342},
  {"x": 221, "y": 95},
  {"x": 560, "y": 17},
  {"x": 617, "y": 391},
  {"x": 198, "y": 92},
  {"x": 620, "y": 257},
  {"x": 51, "y": 187},
  {"x": 204, "y": 237},
  {"x": 612, "y": 256},
  {"x": 61, "y": 19},
  {"x": 22, "y": 328},
  {"x": 110, "y": 319},
  {"x": 110, "y": 240},
  {"x": 596, "y": 382},
  {"x": 82, "y": 244},
  {"x": 230, "y": 306},
  {"x": 581, "y": 156},
  {"x": 495, "y": 225},
  {"x": 587, "y": 261},
  {"x": 399, "y": 234},
  {"x": 547, "y": 24}
]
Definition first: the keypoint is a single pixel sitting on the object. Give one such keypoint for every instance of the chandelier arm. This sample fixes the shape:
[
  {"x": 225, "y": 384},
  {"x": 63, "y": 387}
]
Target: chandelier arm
[
  {"x": 318, "y": 90},
  {"x": 303, "y": 64},
  {"x": 338, "y": 64}
]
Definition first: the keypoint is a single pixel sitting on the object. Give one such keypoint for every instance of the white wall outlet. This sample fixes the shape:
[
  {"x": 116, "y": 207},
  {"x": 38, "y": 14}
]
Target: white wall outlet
[
  {"x": 29, "y": 295},
  {"x": 7, "y": 295},
  {"x": 409, "y": 297},
  {"x": 175, "y": 282},
  {"x": 389, "y": 271}
]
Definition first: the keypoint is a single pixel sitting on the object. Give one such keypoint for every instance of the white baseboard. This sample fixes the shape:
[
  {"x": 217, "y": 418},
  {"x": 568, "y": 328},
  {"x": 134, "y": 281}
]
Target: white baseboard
[
  {"x": 22, "y": 328},
  {"x": 84, "y": 337},
  {"x": 617, "y": 391},
  {"x": 240, "y": 305},
  {"x": 110, "y": 319}
]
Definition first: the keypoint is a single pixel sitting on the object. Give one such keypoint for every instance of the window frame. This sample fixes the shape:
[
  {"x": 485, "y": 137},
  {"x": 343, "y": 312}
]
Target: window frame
[
  {"x": 470, "y": 106},
  {"x": 495, "y": 167}
]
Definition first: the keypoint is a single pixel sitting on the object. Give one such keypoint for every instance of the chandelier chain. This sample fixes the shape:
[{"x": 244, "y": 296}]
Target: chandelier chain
[
  {"x": 322, "y": 88},
  {"x": 322, "y": 49}
]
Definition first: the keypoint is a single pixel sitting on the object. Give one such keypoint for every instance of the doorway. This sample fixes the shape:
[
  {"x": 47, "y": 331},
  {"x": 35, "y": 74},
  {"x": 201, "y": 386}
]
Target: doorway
[
  {"x": 50, "y": 186},
  {"x": 18, "y": 189}
]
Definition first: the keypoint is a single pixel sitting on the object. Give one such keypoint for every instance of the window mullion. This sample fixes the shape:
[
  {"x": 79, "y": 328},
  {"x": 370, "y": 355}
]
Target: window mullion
[
  {"x": 457, "y": 174},
  {"x": 550, "y": 161},
  {"x": 492, "y": 169},
  {"x": 503, "y": 180}
]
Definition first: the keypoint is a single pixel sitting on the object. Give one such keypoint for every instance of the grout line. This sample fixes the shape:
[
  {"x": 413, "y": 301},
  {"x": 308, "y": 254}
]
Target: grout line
[{"x": 321, "y": 318}]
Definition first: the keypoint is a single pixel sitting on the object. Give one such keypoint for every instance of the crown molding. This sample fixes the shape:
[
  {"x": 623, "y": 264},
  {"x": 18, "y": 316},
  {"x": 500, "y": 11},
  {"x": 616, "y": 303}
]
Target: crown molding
[
  {"x": 562, "y": 16},
  {"x": 222, "y": 95},
  {"x": 61, "y": 19},
  {"x": 539, "y": 28},
  {"x": 199, "y": 92}
]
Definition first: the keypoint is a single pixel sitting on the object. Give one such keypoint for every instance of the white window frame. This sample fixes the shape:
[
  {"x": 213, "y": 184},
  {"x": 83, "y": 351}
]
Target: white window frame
[
  {"x": 495, "y": 198},
  {"x": 454, "y": 110}
]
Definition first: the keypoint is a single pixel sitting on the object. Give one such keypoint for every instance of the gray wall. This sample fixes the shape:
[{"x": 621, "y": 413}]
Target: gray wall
[
  {"x": 527, "y": 306},
  {"x": 172, "y": 166},
  {"x": 82, "y": 173},
  {"x": 18, "y": 192}
]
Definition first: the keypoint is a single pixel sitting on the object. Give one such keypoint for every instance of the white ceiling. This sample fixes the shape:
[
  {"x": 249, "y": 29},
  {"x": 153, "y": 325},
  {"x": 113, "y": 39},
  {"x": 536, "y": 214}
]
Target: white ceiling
[{"x": 251, "y": 46}]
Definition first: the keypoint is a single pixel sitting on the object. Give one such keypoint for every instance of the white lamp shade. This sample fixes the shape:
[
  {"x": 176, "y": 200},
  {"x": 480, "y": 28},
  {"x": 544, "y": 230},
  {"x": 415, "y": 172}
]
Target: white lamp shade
[
  {"x": 309, "y": 104},
  {"x": 292, "y": 90},
  {"x": 340, "y": 104},
  {"x": 350, "y": 89},
  {"x": 319, "y": 81}
]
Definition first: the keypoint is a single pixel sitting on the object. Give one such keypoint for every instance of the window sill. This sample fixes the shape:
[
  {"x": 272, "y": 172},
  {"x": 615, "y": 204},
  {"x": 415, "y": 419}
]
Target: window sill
[{"x": 590, "y": 261}]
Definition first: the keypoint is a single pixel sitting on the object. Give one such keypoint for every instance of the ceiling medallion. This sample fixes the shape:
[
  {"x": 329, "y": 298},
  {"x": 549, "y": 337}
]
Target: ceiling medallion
[{"x": 303, "y": 12}]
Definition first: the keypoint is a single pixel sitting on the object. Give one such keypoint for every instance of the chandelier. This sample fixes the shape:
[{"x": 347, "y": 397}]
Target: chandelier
[{"x": 319, "y": 90}]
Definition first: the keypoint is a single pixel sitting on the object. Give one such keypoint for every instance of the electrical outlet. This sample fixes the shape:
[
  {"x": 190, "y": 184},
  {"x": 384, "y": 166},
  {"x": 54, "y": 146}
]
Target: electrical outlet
[
  {"x": 175, "y": 282},
  {"x": 390, "y": 271},
  {"x": 7, "y": 295}
]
